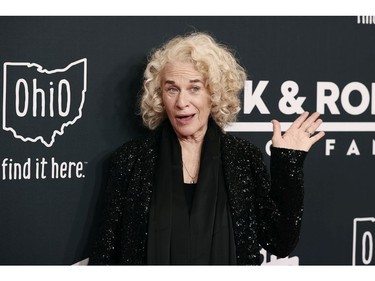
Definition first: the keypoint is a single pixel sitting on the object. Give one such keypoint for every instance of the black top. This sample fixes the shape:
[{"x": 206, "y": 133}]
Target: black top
[{"x": 189, "y": 189}]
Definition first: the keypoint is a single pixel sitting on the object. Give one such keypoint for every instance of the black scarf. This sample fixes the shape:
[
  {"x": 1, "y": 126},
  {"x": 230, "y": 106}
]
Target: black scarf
[{"x": 204, "y": 236}]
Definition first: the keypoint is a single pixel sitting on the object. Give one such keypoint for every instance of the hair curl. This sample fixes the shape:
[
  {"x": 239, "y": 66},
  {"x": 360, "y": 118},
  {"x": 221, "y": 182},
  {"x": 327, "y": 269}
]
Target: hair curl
[{"x": 224, "y": 77}]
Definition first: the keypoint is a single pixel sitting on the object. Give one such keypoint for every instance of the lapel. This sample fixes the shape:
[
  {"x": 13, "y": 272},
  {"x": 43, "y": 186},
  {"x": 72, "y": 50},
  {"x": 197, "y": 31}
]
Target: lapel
[
  {"x": 236, "y": 176},
  {"x": 137, "y": 207},
  {"x": 237, "y": 173}
]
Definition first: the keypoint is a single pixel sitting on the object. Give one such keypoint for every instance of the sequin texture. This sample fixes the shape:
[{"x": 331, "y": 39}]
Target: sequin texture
[{"x": 266, "y": 212}]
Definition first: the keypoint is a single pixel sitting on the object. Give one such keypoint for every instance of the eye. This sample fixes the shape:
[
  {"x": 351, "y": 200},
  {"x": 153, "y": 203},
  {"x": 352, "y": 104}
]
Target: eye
[
  {"x": 195, "y": 89},
  {"x": 172, "y": 90}
]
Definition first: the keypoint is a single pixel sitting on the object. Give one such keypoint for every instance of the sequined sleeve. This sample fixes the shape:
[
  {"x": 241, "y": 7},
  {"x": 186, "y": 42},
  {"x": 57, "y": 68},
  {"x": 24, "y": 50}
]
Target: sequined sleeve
[
  {"x": 280, "y": 200},
  {"x": 106, "y": 246}
]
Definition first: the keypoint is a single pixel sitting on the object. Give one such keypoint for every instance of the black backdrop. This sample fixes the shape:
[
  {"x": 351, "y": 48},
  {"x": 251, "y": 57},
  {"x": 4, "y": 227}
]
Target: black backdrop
[{"x": 89, "y": 72}]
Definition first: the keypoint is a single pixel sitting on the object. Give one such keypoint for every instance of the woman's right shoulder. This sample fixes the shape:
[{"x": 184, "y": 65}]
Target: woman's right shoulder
[{"x": 135, "y": 147}]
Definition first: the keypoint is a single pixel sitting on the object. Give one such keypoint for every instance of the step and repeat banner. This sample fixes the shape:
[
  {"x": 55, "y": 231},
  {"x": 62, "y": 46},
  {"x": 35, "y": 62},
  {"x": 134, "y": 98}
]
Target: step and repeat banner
[{"x": 69, "y": 92}]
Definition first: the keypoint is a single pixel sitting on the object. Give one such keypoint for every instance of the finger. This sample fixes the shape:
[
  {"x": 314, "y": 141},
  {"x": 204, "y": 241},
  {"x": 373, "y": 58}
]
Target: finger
[
  {"x": 299, "y": 121},
  {"x": 310, "y": 121},
  {"x": 317, "y": 137},
  {"x": 276, "y": 128},
  {"x": 314, "y": 126}
]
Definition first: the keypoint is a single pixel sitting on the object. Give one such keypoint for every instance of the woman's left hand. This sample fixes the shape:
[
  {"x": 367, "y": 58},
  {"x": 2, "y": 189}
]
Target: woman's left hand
[{"x": 300, "y": 135}]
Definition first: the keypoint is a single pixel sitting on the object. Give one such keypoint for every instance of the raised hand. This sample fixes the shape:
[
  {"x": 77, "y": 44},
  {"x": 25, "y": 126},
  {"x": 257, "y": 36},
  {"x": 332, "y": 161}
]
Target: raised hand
[{"x": 300, "y": 135}]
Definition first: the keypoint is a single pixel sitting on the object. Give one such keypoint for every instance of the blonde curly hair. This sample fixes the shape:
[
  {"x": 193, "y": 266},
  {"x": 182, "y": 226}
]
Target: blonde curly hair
[{"x": 223, "y": 75}]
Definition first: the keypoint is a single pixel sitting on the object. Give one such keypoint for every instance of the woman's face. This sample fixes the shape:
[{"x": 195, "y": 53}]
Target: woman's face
[{"x": 186, "y": 99}]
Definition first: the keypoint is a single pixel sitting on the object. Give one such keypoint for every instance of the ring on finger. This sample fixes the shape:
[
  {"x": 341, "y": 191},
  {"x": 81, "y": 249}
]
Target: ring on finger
[{"x": 310, "y": 133}]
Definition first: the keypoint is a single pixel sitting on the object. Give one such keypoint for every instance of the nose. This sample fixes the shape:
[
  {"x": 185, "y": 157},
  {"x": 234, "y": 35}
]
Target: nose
[{"x": 182, "y": 100}]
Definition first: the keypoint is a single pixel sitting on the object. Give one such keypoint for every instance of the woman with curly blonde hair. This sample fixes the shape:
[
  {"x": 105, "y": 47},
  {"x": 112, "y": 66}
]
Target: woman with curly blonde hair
[
  {"x": 224, "y": 77},
  {"x": 189, "y": 193}
]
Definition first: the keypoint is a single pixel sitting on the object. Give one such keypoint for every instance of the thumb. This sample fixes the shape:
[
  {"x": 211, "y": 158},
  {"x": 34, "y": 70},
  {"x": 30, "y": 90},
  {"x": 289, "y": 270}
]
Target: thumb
[{"x": 276, "y": 128}]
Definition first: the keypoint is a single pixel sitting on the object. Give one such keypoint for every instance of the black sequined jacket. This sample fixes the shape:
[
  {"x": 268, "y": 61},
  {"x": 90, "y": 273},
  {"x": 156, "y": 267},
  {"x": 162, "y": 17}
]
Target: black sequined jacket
[{"x": 265, "y": 212}]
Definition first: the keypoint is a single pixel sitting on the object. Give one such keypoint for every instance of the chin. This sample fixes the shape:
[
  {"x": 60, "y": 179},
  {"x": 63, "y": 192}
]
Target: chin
[{"x": 185, "y": 132}]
